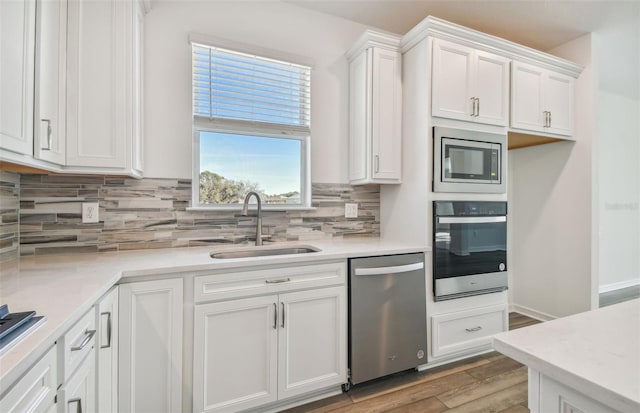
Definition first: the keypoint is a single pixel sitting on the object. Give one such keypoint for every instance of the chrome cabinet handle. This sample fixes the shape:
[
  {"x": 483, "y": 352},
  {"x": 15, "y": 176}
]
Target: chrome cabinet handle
[
  {"x": 108, "y": 314},
  {"x": 377, "y": 166},
  {"x": 282, "y": 325},
  {"x": 471, "y": 330},
  {"x": 88, "y": 335},
  {"x": 78, "y": 406},
  {"x": 549, "y": 116},
  {"x": 475, "y": 106},
  {"x": 48, "y": 148},
  {"x": 280, "y": 280},
  {"x": 275, "y": 316}
]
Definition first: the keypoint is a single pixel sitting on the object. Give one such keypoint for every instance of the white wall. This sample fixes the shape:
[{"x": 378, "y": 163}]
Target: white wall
[
  {"x": 266, "y": 24},
  {"x": 616, "y": 55},
  {"x": 550, "y": 211}
]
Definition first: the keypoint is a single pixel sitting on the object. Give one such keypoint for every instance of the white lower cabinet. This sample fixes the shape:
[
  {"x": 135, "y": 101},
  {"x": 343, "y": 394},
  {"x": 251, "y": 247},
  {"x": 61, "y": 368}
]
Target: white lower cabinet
[
  {"x": 150, "y": 346},
  {"x": 77, "y": 367},
  {"x": 249, "y": 352},
  {"x": 77, "y": 395},
  {"x": 311, "y": 341},
  {"x": 462, "y": 331},
  {"x": 36, "y": 390},
  {"x": 235, "y": 354},
  {"x": 549, "y": 396},
  {"x": 106, "y": 314}
]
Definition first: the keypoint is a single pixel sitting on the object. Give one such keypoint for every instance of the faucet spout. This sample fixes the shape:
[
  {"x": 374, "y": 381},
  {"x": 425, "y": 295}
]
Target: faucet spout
[{"x": 245, "y": 211}]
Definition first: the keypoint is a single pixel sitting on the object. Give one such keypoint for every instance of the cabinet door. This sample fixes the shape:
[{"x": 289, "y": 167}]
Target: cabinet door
[
  {"x": 50, "y": 82},
  {"x": 96, "y": 83},
  {"x": 150, "y": 346},
  {"x": 491, "y": 87},
  {"x": 235, "y": 354},
  {"x": 78, "y": 393},
  {"x": 17, "y": 51},
  {"x": 527, "y": 85},
  {"x": 386, "y": 115},
  {"x": 559, "y": 102},
  {"x": 359, "y": 115},
  {"x": 36, "y": 390},
  {"x": 107, "y": 352},
  {"x": 555, "y": 397},
  {"x": 135, "y": 77},
  {"x": 451, "y": 80},
  {"x": 312, "y": 341}
]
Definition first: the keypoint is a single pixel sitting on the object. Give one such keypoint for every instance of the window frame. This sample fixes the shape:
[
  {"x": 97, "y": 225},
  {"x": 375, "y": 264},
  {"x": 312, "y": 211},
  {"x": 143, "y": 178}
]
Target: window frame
[{"x": 258, "y": 129}]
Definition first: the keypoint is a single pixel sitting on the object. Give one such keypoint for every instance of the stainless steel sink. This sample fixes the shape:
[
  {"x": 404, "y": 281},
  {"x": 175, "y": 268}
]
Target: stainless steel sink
[{"x": 263, "y": 251}]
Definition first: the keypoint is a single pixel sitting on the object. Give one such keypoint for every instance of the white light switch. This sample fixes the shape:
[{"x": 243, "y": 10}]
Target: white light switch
[
  {"x": 90, "y": 212},
  {"x": 351, "y": 210}
]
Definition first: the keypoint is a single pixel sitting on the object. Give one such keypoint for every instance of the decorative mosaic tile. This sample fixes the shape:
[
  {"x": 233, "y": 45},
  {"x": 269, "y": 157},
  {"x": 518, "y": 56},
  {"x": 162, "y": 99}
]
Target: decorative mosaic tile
[
  {"x": 152, "y": 213},
  {"x": 9, "y": 216}
]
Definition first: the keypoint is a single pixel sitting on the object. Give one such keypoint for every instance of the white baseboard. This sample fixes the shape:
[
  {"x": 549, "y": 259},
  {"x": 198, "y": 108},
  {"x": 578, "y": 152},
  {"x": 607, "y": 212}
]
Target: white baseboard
[
  {"x": 529, "y": 312},
  {"x": 619, "y": 285}
]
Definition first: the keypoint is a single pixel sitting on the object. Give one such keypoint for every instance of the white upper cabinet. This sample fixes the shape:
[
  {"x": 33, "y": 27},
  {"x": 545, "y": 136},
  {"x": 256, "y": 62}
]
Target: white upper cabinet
[
  {"x": 469, "y": 84},
  {"x": 17, "y": 48},
  {"x": 102, "y": 89},
  {"x": 541, "y": 100},
  {"x": 83, "y": 112},
  {"x": 375, "y": 110},
  {"x": 50, "y": 82}
]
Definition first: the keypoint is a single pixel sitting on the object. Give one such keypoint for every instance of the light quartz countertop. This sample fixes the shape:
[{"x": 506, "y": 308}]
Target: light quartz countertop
[
  {"x": 64, "y": 287},
  {"x": 597, "y": 353}
]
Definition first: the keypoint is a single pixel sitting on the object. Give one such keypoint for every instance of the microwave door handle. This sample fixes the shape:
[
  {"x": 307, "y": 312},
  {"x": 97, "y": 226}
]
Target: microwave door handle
[{"x": 471, "y": 220}]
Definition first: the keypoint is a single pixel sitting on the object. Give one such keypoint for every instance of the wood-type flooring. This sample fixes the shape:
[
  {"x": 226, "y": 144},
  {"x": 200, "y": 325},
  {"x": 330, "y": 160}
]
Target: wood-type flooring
[{"x": 487, "y": 383}]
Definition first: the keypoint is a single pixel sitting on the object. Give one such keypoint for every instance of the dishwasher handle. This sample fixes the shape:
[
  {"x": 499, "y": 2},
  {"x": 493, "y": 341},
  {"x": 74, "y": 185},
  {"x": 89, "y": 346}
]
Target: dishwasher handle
[{"x": 389, "y": 270}]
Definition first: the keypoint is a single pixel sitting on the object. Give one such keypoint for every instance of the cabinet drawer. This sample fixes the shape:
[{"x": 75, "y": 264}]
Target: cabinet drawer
[
  {"x": 224, "y": 286},
  {"x": 460, "y": 331},
  {"x": 78, "y": 393},
  {"x": 36, "y": 390},
  {"x": 74, "y": 346}
]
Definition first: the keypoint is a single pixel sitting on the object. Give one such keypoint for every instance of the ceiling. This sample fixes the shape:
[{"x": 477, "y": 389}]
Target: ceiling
[{"x": 540, "y": 24}]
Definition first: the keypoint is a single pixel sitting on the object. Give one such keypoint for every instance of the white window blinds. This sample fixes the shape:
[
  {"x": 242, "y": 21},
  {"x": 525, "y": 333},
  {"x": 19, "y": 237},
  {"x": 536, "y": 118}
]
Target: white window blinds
[{"x": 232, "y": 87}]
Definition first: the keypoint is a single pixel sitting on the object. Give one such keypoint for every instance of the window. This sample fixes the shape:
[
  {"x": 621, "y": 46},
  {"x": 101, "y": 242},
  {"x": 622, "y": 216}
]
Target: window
[{"x": 251, "y": 122}]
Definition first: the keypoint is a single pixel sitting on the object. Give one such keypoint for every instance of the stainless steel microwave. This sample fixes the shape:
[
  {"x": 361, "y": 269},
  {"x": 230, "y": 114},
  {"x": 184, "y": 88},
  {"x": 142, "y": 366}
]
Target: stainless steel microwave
[{"x": 469, "y": 161}]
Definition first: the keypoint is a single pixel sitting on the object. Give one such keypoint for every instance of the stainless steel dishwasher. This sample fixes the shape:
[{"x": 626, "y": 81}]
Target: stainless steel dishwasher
[{"x": 387, "y": 315}]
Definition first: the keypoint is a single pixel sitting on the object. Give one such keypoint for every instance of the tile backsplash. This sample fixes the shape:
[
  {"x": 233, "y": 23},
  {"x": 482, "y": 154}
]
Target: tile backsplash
[
  {"x": 9, "y": 212},
  {"x": 151, "y": 213}
]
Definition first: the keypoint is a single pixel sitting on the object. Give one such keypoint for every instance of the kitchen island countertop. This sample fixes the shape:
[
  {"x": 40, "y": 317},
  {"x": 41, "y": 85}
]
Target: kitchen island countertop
[
  {"x": 64, "y": 287},
  {"x": 596, "y": 353}
]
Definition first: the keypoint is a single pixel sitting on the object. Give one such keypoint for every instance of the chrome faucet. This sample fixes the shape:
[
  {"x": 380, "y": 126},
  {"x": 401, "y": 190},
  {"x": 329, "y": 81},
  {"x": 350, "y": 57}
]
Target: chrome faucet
[{"x": 245, "y": 211}]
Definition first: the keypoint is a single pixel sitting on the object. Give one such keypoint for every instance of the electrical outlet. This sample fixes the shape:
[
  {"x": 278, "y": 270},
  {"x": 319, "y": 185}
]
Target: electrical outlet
[
  {"x": 90, "y": 212},
  {"x": 351, "y": 210}
]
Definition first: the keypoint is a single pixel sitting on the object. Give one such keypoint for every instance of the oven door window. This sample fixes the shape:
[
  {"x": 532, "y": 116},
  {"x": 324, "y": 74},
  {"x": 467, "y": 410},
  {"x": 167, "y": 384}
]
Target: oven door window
[{"x": 464, "y": 246}]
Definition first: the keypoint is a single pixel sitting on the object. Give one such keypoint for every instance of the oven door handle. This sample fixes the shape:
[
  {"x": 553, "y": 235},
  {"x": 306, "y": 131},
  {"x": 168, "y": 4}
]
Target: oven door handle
[
  {"x": 471, "y": 220},
  {"x": 389, "y": 270}
]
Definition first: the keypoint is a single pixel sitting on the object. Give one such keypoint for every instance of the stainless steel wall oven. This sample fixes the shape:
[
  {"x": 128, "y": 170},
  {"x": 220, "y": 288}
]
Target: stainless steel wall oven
[{"x": 470, "y": 254}]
